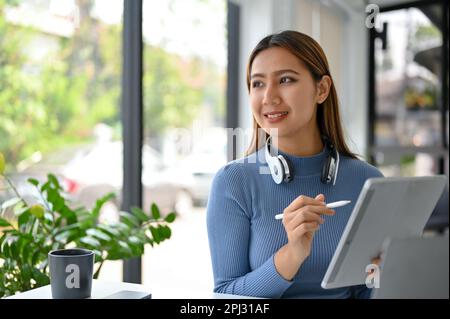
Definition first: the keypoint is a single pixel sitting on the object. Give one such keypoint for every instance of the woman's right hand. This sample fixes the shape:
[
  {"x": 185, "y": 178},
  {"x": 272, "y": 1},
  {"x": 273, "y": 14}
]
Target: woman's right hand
[{"x": 301, "y": 219}]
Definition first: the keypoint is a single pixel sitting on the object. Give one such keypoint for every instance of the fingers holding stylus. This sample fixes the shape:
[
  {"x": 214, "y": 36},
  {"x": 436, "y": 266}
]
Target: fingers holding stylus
[
  {"x": 301, "y": 219},
  {"x": 298, "y": 218},
  {"x": 303, "y": 200},
  {"x": 305, "y": 228},
  {"x": 310, "y": 205}
]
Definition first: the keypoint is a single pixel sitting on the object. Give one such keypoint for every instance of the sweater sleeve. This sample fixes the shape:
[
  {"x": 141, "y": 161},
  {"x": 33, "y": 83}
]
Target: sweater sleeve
[
  {"x": 228, "y": 224},
  {"x": 361, "y": 292}
]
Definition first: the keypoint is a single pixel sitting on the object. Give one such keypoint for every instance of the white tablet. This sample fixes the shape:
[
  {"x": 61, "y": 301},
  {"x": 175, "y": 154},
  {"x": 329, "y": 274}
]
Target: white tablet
[
  {"x": 414, "y": 268},
  {"x": 393, "y": 207}
]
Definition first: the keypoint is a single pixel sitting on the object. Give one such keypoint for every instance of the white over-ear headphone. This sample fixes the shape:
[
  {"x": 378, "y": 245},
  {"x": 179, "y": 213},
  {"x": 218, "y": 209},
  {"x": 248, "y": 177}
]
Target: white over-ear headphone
[{"x": 282, "y": 170}]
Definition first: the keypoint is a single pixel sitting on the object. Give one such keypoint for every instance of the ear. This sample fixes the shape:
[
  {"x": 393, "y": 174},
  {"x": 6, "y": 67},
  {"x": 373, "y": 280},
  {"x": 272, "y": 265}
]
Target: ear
[{"x": 323, "y": 89}]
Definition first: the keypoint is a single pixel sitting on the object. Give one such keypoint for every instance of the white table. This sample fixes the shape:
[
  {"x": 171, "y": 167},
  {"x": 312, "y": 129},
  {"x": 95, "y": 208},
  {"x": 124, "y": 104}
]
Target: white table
[{"x": 102, "y": 289}]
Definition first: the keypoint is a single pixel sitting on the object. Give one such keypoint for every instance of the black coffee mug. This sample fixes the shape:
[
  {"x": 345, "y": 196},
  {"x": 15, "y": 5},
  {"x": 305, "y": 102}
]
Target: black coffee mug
[{"x": 71, "y": 273}]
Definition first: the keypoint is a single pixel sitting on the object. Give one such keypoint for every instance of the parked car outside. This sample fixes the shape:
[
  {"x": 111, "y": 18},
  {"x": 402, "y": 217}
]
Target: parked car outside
[
  {"x": 38, "y": 166},
  {"x": 90, "y": 171},
  {"x": 101, "y": 171}
]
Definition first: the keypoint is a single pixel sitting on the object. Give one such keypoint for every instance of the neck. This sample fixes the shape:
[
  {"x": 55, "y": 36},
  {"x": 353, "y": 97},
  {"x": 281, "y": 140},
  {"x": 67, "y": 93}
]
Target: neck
[{"x": 304, "y": 144}]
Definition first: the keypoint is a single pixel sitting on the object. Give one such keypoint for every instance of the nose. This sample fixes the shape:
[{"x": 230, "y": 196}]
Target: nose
[{"x": 271, "y": 96}]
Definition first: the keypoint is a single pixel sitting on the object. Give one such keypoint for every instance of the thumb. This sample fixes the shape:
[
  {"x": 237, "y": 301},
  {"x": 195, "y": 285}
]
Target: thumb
[{"x": 320, "y": 197}]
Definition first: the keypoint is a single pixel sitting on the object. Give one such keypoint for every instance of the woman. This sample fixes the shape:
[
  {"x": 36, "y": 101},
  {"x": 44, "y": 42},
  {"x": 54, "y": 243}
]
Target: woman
[{"x": 294, "y": 102}]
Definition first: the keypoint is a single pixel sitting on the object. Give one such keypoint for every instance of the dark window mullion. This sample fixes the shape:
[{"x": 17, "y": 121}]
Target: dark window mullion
[
  {"x": 444, "y": 71},
  {"x": 131, "y": 112},
  {"x": 232, "y": 103},
  {"x": 371, "y": 116}
]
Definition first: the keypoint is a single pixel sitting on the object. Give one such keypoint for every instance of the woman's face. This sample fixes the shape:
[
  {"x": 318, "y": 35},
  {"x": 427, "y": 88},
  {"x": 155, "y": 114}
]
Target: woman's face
[{"x": 283, "y": 94}]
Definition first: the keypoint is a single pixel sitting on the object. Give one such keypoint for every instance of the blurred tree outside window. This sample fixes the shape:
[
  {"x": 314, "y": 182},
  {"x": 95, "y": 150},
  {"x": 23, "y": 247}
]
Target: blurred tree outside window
[{"x": 55, "y": 86}]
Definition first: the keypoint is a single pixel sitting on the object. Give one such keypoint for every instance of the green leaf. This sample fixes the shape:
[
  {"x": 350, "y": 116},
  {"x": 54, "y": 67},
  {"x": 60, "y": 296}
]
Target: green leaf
[
  {"x": 52, "y": 179},
  {"x": 170, "y": 217},
  {"x": 4, "y": 250},
  {"x": 26, "y": 272},
  {"x": 11, "y": 231},
  {"x": 25, "y": 254},
  {"x": 14, "y": 248},
  {"x": 100, "y": 202},
  {"x": 35, "y": 259},
  {"x": 167, "y": 231},
  {"x": 33, "y": 181},
  {"x": 48, "y": 218},
  {"x": 123, "y": 228},
  {"x": 4, "y": 223},
  {"x": 37, "y": 210},
  {"x": 125, "y": 247},
  {"x": 136, "y": 249},
  {"x": 24, "y": 241},
  {"x": 11, "y": 202},
  {"x": 114, "y": 253},
  {"x": 149, "y": 240},
  {"x": 26, "y": 236},
  {"x": 62, "y": 236},
  {"x": 86, "y": 223},
  {"x": 91, "y": 242},
  {"x": 36, "y": 228},
  {"x": 98, "y": 234},
  {"x": 20, "y": 209},
  {"x": 23, "y": 221},
  {"x": 55, "y": 198},
  {"x": 140, "y": 214},
  {"x": 129, "y": 219},
  {"x": 155, "y": 234},
  {"x": 109, "y": 230},
  {"x": 134, "y": 240},
  {"x": 155, "y": 211},
  {"x": 68, "y": 213},
  {"x": 45, "y": 186},
  {"x": 65, "y": 228},
  {"x": 98, "y": 255},
  {"x": 41, "y": 278},
  {"x": 74, "y": 235}
]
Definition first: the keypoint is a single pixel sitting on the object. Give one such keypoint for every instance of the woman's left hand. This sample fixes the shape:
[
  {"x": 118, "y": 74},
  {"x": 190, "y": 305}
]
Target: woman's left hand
[{"x": 376, "y": 260}]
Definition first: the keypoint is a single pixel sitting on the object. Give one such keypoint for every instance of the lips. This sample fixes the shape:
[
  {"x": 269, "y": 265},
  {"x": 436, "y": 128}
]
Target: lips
[{"x": 274, "y": 115}]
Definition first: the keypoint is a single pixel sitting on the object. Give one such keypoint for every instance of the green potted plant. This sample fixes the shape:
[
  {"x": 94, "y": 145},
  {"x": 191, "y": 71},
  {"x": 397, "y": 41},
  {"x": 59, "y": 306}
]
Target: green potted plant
[{"x": 53, "y": 223}]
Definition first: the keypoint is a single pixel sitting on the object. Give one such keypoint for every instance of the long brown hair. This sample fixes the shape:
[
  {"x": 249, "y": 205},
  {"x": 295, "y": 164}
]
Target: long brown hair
[{"x": 311, "y": 54}]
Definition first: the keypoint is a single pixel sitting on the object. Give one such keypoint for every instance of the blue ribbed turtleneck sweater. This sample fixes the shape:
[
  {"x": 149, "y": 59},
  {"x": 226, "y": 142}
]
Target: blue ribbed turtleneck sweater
[{"x": 244, "y": 235}]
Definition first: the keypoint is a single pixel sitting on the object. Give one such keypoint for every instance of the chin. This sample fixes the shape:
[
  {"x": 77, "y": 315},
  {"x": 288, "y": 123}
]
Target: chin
[{"x": 277, "y": 131}]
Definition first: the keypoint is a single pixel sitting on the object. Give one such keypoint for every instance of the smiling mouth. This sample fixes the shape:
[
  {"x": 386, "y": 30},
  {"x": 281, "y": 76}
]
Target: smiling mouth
[{"x": 275, "y": 115}]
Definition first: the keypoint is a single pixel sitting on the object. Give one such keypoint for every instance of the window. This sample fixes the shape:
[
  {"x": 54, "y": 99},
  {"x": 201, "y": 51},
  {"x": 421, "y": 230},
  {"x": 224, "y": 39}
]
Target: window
[
  {"x": 60, "y": 96},
  {"x": 409, "y": 95},
  {"x": 60, "y": 82},
  {"x": 184, "y": 118},
  {"x": 410, "y": 107}
]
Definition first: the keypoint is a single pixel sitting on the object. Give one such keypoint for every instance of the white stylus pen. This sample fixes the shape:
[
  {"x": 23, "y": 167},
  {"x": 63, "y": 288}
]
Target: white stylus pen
[{"x": 330, "y": 205}]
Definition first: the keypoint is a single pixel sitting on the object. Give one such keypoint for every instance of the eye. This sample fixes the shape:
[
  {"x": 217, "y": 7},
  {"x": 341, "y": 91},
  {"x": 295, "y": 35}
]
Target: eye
[
  {"x": 257, "y": 84},
  {"x": 287, "y": 79}
]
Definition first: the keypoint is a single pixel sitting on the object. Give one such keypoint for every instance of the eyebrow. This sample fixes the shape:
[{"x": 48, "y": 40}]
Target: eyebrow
[{"x": 262, "y": 75}]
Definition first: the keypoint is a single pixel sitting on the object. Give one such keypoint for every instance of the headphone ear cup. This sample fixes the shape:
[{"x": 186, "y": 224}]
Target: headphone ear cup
[
  {"x": 275, "y": 164},
  {"x": 289, "y": 171},
  {"x": 325, "y": 170},
  {"x": 277, "y": 170}
]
